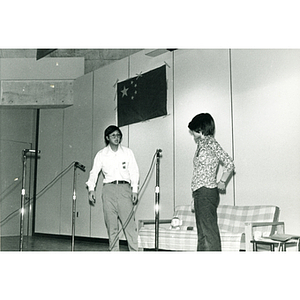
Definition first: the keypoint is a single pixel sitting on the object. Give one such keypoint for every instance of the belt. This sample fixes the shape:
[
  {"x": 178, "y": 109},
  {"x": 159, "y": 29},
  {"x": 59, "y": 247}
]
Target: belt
[{"x": 119, "y": 182}]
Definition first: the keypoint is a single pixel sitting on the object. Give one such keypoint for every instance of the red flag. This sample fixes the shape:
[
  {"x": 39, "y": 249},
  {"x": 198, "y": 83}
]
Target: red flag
[{"x": 142, "y": 97}]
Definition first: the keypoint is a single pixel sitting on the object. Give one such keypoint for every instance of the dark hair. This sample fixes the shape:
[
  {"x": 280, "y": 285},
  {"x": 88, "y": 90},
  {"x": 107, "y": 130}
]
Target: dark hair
[
  {"x": 203, "y": 123},
  {"x": 110, "y": 129}
]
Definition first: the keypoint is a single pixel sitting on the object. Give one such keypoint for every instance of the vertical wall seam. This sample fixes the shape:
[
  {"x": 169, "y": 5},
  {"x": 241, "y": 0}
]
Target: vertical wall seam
[
  {"x": 62, "y": 160},
  {"x": 174, "y": 144},
  {"x": 92, "y": 139},
  {"x": 232, "y": 123},
  {"x": 128, "y": 75}
]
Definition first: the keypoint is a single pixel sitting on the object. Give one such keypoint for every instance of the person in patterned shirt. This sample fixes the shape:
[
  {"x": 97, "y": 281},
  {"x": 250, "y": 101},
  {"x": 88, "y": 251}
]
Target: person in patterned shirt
[{"x": 205, "y": 188}]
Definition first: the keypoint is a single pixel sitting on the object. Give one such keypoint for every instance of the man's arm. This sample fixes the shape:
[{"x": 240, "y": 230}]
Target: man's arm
[{"x": 93, "y": 177}]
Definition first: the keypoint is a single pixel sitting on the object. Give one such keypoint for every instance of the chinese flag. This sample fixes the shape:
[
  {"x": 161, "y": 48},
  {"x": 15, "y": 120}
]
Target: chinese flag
[{"x": 142, "y": 97}]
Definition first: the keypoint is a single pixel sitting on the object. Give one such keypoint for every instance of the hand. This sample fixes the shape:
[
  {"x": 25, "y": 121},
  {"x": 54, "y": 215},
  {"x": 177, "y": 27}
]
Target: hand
[
  {"x": 192, "y": 206},
  {"x": 92, "y": 198},
  {"x": 134, "y": 198},
  {"x": 221, "y": 186}
]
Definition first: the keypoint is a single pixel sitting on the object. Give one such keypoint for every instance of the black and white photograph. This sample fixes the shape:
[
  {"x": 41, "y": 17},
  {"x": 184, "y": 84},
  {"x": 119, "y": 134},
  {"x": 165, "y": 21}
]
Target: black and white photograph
[{"x": 134, "y": 162}]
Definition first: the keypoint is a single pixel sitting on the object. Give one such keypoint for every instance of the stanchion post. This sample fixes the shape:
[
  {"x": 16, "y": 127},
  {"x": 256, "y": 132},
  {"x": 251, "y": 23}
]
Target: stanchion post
[
  {"x": 158, "y": 155},
  {"x": 22, "y": 212},
  {"x": 23, "y": 192},
  {"x": 73, "y": 208},
  {"x": 82, "y": 168}
]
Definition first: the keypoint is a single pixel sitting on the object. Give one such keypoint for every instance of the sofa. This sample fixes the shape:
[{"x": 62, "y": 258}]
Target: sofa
[{"x": 237, "y": 224}]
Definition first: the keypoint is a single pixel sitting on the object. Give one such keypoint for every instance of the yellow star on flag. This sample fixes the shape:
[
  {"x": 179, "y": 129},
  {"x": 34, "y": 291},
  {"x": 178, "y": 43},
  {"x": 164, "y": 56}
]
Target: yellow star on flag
[{"x": 124, "y": 91}]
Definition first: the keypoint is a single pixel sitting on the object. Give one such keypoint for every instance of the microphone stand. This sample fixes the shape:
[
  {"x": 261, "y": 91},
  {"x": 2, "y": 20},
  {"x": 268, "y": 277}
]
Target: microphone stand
[
  {"x": 158, "y": 155},
  {"x": 22, "y": 202},
  {"x": 82, "y": 168},
  {"x": 23, "y": 192}
]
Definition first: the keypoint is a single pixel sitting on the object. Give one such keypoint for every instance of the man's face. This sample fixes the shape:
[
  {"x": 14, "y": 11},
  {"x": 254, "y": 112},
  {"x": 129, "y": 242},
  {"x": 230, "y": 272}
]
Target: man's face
[{"x": 115, "y": 138}]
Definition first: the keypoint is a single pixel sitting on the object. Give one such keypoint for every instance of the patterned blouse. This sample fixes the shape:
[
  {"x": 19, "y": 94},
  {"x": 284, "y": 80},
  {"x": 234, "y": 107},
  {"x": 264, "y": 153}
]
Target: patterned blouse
[{"x": 208, "y": 155}]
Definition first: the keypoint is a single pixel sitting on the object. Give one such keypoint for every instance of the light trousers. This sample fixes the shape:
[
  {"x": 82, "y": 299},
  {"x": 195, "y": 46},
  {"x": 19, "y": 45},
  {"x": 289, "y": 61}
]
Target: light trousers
[{"x": 117, "y": 206}]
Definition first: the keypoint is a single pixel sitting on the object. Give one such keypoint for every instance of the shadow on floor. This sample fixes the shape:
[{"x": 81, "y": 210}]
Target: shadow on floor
[{"x": 56, "y": 243}]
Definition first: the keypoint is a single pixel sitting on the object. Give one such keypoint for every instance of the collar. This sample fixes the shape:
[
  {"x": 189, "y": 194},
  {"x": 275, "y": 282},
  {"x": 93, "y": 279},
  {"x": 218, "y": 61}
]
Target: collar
[{"x": 110, "y": 150}]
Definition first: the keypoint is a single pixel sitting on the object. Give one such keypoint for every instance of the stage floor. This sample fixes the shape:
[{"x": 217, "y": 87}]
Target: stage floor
[{"x": 56, "y": 243}]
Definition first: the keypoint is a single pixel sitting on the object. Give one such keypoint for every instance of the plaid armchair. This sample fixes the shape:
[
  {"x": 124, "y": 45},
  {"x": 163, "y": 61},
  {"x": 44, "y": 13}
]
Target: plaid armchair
[{"x": 237, "y": 226}]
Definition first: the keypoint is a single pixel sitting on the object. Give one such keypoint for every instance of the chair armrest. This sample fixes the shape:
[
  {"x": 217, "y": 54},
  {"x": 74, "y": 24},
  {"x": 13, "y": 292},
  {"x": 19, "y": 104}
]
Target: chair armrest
[
  {"x": 249, "y": 231},
  {"x": 261, "y": 224},
  {"x": 141, "y": 223}
]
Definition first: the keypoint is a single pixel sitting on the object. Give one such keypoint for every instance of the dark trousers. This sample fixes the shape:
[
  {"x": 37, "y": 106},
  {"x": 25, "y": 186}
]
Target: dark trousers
[{"x": 206, "y": 202}]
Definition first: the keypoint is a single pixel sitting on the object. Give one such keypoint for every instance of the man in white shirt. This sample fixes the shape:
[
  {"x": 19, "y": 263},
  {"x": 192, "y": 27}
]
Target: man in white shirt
[{"x": 120, "y": 187}]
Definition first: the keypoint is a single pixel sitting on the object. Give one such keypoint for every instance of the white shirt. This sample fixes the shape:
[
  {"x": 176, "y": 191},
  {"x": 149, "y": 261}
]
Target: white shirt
[{"x": 119, "y": 165}]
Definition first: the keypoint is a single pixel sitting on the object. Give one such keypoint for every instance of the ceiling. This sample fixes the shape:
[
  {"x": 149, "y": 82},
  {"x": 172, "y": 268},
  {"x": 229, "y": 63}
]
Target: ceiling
[{"x": 94, "y": 58}]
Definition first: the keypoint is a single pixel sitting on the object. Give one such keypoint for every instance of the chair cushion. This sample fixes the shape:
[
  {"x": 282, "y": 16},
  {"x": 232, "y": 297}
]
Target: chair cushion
[{"x": 169, "y": 239}]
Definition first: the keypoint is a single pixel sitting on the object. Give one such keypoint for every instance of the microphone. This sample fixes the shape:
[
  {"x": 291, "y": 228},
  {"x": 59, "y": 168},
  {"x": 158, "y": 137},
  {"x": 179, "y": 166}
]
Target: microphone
[
  {"x": 80, "y": 166},
  {"x": 31, "y": 151},
  {"x": 158, "y": 152}
]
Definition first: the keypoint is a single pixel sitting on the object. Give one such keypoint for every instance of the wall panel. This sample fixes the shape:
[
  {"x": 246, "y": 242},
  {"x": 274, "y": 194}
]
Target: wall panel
[
  {"x": 201, "y": 85},
  {"x": 266, "y": 97},
  {"x": 48, "y": 204}
]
